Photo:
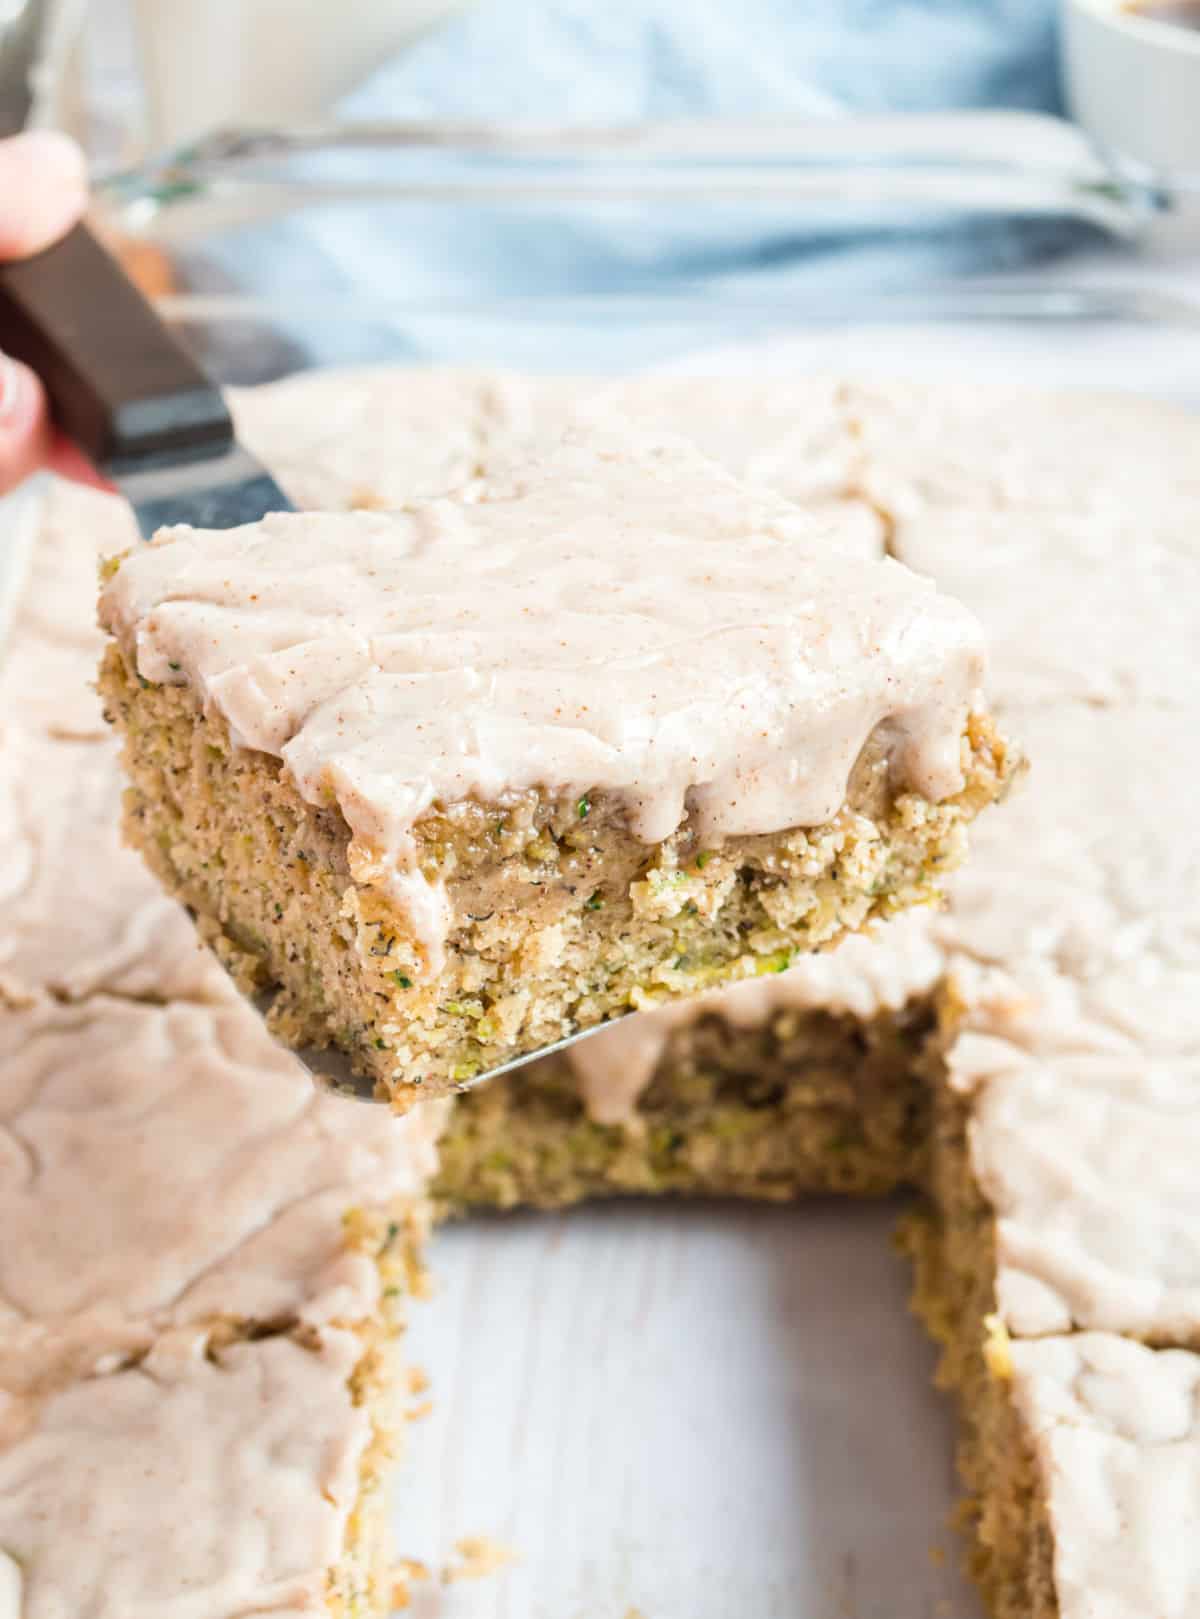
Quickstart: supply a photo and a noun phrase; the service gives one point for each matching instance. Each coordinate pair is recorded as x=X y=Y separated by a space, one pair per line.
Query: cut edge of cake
x=597 y=923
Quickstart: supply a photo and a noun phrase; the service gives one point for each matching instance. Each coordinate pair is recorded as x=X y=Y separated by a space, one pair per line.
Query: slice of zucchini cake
x=184 y=1172
x=227 y=1480
x=203 y=1285
x=468 y=778
x=1058 y=1263
x=1083 y=1456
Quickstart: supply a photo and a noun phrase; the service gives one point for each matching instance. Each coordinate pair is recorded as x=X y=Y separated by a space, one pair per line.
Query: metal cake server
x=332 y=1067
x=126 y=392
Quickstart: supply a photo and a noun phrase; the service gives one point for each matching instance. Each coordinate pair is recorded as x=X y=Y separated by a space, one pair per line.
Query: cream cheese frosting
x=1083 y=1137
x=367 y=437
x=933 y=445
x=259 y=1495
x=792 y=435
x=1094 y=863
x=360 y=437
x=78 y=911
x=166 y=1166
x=1064 y=594
x=48 y=666
x=576 y=631
x=1115 y=1428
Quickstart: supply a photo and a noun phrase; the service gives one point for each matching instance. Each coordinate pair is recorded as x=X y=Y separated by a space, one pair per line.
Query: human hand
x=43 y=193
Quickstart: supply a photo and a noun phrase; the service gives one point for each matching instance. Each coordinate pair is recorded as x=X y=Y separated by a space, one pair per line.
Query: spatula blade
x=222 y=491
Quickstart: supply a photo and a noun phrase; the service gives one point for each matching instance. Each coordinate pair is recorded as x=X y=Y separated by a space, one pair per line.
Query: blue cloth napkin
x=614 y=61
x=607 y=61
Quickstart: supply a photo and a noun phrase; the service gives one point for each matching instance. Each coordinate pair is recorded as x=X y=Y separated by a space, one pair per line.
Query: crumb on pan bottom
x=559 y=918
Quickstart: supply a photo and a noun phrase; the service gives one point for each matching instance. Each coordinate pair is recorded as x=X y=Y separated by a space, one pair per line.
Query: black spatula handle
x=119 y=383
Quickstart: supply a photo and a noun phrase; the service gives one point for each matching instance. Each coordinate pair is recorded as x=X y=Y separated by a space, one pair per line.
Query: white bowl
x=1133 y=83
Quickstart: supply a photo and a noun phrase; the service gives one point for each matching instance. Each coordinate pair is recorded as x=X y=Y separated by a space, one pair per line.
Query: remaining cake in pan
x=373 y=437
x=203 y=1276
x=202 y=1287
x=51 y=650
x=467 y=779
x=1085 y=1456
x=926 y=447
x=1027 y=1058
x=169 y=1186
x=231 y=1479
x=1061 y=1236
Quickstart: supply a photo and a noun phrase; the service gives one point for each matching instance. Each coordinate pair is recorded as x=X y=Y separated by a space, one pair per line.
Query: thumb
x=29 y=439
x=43 y=190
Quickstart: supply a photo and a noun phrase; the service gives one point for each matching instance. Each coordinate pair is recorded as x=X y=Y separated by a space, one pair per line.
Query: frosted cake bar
x=202 y=1287
x=470 y=777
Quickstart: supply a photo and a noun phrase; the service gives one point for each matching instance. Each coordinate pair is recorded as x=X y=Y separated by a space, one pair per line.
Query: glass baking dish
x=617 y=250
x=675 y=1413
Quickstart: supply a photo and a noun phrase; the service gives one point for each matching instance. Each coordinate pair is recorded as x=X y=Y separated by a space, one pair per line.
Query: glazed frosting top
x=79 y=912
x=1116 y=1429
x=1094 y=863
x=1063 y=596
x=926 y=446
x=368 y=437
x=257 y=1451
x=166 y=1166
x=1083 y=1134
x=641 y=624
x=48 y=660
x=360 y=438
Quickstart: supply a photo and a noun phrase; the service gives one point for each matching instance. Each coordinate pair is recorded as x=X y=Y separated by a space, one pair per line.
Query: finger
x=43 y=191
x=25 y=432
x=69 y=461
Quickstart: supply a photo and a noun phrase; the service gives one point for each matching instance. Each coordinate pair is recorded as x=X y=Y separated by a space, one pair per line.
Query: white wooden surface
x=682 y=1412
